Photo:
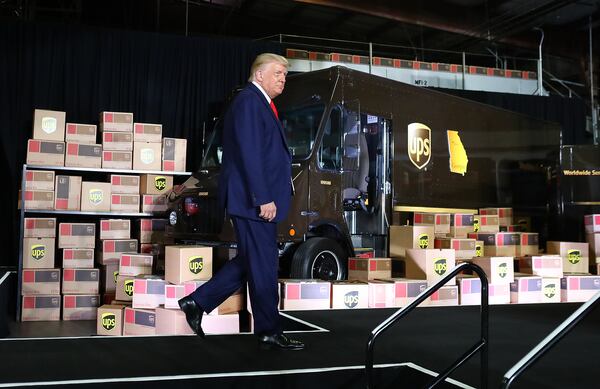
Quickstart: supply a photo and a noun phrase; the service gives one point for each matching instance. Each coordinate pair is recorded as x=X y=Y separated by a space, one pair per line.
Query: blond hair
x=266 y=58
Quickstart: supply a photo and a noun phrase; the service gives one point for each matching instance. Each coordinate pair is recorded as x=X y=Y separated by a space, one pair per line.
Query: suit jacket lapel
x=267 y=106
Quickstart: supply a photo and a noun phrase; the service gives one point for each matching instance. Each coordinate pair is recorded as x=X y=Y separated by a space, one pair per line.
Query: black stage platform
x=427 y=340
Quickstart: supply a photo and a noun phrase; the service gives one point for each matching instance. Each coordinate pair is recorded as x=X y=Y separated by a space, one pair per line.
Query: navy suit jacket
x=256 y=165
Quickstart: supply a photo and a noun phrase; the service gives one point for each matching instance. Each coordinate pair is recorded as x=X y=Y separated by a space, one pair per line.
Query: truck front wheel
x=319 y=258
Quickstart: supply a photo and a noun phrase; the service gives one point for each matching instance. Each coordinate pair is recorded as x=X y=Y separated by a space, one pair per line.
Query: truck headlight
x=173 y=218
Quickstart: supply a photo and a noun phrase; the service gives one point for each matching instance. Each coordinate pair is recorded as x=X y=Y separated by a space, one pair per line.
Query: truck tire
x=319 y=258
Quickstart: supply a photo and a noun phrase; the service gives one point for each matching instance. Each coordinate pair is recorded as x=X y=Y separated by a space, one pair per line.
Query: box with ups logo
x=461 y=224
x=505 y=215
x=81 y=133
x=115 y=229
x=124 y=290
x=80 y=307
x=155 y=184
x=123 y=184
x=116 y=121
x=133 y=264
x=39 y=180
x=95 y=196
x=479 y=249
x=430 y=264
x=139 y=322
x=410 y=237
x=78 y=258
x=39 y=227
x=81 y=281
x=174 y=154
x=83 y=155
x=111 y=249
x=45 y=153
x=469 y=288
x=109 y=320
x=464 y=248
x=550 y=290
x=146 y=156
x=40 y=281
x=49 y=125
x=305 y=294
x=575 y=255
x=499 y=270
x=38 y=253
x=187 y=263
x=526 y=289
x=116 y=160
x=542 y=265
x=529 y=244
x=117 y=141
x=364 y=269
x=40 y=308
x=486 y=223
x=147 y=132
x=39 y=199
x=148 y=292
x=154 y=203
x=67 y=195
x=499 y=244
x=77 y=235
x=108 y=280
x=125 y=203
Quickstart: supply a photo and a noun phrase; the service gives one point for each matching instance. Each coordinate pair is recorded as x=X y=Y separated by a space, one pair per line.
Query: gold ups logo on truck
x=419 y=144
x=458 y=154
x=196 y=264
x=160 y=183
x=38 y=251
x=109 y=320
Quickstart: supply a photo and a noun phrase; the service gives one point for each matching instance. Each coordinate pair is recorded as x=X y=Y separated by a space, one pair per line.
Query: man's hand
x=268 y=211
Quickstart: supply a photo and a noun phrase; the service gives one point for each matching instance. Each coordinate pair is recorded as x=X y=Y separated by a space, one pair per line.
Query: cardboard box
x=116 y=160
x=174 y=154
x=542 y=265
x=83 y=155
x=499 y=270
x=187 y=263
x=445 y=296
x=579 y=288
x=305 y=294
x=78 y=259
x=39 y=180
x=221 y=324
x=108 y=280
x=81 y=281
x=45 y=153
x=461 y=224
x=39 y=199
x=49 y=125
x=154 y=203
x=67 y=195
x=551 y=290
x=575 y=255
x=147 y=132
x=38 y=253
x=77 y=235
x=40 y=282
x=430 y=264
x=172 y=322
x=594 y=241
x=498 y=294
x=80 y=307
x=364 y=269
x=529 y=244
x=109 y=320
x=232 y=304
x=155 y=184
x=139 y=322
x=505 y=215
x=526 y=289
x=115 y=229
x=125 y=203
x=95 y=196
x=382 y=294
x=410 y=237
x=112 y=248
x=146 y=156
x=133 y=264
x=81 y=133
x=439 y=221
x=349 y=294
x=592 y=223
x=39 y=227
x=464 y=248
x=40 y=308
x=116 y=121
x=469 y=290
x=124 y=290
x=487 y=224
x=501 y=244
x=123 y=184
x=117 y=141
x=152 y=230
x=148 y=292
x=407 y=290
x=173 y=293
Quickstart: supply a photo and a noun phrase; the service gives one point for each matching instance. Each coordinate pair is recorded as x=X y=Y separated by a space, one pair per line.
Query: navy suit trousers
x=256 y=263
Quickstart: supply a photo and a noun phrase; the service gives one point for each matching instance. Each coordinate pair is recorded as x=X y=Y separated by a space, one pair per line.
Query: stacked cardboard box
x=47 y=147
x=500 y=274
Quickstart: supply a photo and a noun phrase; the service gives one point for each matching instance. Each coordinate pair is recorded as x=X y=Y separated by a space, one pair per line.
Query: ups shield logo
x=38 y=251
x=115 y=275
x=96 y=196
x=478 y=251
x=502 y=270
x=109 y=321
x=423 y=241
x=351 y=299
x=440 y=266
x=196 y=264
x=49 y=124
x=160 y=183
x=475 y=225
x=128 y=287
x=550 y=290
x=574 y=256
x=419 y=144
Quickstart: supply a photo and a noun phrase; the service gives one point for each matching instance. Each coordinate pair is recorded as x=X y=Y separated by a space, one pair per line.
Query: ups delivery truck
x=365 y=147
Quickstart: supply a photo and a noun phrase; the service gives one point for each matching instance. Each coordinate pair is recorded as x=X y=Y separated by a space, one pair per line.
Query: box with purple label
x=148 y=292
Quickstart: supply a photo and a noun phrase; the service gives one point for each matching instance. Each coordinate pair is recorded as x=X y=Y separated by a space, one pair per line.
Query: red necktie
x=274 y=109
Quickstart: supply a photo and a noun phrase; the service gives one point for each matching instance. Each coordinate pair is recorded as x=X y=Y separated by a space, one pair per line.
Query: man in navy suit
x=255 y=187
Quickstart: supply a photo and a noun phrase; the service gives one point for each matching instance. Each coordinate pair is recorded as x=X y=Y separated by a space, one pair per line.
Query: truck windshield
x=300 y=125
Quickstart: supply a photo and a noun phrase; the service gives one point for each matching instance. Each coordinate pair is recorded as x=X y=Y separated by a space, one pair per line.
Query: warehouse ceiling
x=490 y=32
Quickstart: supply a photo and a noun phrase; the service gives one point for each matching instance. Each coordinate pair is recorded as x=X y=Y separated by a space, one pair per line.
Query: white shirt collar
x=263 y=91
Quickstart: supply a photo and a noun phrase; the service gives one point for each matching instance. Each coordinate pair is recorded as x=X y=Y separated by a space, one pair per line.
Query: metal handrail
x=549 y=341
x=481 y=346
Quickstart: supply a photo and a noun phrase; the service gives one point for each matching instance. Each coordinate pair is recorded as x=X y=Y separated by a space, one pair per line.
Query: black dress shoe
x=193 y=314
x=281 y=341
